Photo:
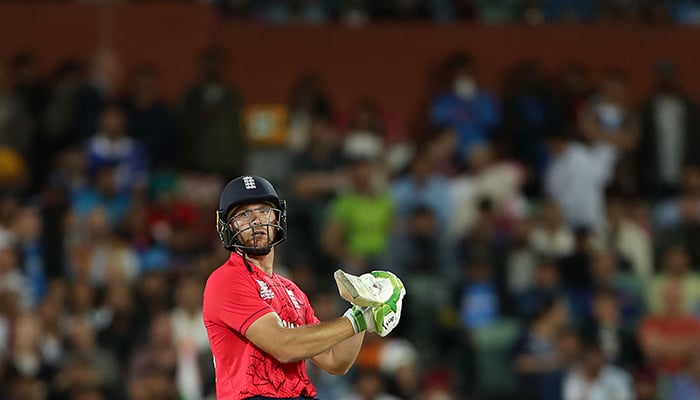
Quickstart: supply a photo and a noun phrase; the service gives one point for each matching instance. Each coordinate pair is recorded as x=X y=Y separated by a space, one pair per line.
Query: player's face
x=255 y=224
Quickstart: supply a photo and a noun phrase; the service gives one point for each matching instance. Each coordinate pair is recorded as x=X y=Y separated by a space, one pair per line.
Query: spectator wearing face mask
x=608 y=117
x=464 y=106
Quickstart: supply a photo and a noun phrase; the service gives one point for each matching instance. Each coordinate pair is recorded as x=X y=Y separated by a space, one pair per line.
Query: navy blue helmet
x=241 y=191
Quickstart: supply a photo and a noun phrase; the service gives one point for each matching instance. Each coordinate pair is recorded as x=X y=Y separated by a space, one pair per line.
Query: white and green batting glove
x=361 y=318
x=377 y=297
x=387 y=315
x=371 y=289
x=381 y=319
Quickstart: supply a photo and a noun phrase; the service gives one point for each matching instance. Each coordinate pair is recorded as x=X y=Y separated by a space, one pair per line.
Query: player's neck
x=265 y=263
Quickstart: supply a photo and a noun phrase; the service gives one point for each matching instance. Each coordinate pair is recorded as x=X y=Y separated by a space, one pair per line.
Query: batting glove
x=371 y=289
x=380 y=287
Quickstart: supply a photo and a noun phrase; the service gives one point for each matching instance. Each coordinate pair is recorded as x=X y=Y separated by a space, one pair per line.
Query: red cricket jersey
x=235 y=298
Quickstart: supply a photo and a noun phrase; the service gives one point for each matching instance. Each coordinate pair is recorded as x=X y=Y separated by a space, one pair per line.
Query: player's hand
x=371 y=289
x=380 y=319
x=385 y=316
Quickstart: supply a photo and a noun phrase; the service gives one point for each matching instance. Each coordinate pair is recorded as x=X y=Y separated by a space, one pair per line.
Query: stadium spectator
x=546 y=285
x=361 y=218
x=668 y=335
x=609 y=117
x=149 y=118
x=308 y=102
x=465 y=106
x=486 y=179
x=675 y=273
x=318 y=174
x=194 y=368
x=535 y=357
x=550 y=235
x=669 y=141
x=211 y=129
x=595 y=379
x=687 y=385
x=422 y=186
x=576 y=178
x=531 y=113
x=101 y=86
x=110 y=146
x=627 y=238
x=605 y=328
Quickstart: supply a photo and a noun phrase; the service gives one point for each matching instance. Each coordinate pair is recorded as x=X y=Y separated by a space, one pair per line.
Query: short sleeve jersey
x=234 y=298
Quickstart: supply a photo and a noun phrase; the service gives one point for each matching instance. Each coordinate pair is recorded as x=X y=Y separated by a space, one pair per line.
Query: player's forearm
x=340 y=358
x=307 y=341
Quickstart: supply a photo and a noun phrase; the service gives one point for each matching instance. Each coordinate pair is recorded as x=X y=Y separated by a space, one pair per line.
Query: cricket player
x=260 y=325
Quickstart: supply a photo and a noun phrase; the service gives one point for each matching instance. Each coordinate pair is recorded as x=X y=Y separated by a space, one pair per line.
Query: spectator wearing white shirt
x=190 y=338
x=593 y=379
x=608 y=116
x=11 y=277
x=551 y=236
x=576 y=179
x=629 y=239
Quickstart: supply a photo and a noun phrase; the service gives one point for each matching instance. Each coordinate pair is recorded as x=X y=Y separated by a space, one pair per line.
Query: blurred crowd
x=548 y=234
x=359 y=12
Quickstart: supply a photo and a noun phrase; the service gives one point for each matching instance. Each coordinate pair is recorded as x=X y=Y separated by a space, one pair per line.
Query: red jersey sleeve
x=232 y=299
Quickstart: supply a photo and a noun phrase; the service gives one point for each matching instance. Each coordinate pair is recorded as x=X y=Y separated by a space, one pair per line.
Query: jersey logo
x=293 y=299
x=287 y=324
x=249 y=182
x=265 y=292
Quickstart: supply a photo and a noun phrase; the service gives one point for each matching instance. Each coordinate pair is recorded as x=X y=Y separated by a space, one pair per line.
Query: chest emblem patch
x=265 y=292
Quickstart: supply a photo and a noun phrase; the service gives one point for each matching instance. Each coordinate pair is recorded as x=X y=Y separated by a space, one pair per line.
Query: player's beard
x=258 y=244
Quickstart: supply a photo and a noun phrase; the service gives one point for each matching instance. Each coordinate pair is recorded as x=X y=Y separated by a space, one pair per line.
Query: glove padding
x=380 y=320
x=382 y=294
x=371 y=289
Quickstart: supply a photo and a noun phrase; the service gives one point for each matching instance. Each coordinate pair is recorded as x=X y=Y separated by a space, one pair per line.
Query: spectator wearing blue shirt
x=422 y=186
x=479 y=303
x=464 y=106
x=112 y=146
x=103 y=193
x=536 y=359
x=686 y=386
